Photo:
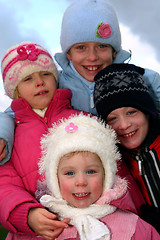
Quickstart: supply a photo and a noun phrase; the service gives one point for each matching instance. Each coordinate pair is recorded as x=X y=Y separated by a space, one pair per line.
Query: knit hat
x=78 y=133
x=22 y=60
x=122 y=85
x=90 y=21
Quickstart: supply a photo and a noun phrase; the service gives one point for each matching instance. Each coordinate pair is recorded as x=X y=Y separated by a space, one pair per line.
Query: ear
x=69 y=55
x=114 y=54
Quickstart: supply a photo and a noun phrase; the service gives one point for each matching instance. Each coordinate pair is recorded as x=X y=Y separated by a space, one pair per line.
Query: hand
x=2 y=149
x=44 y=224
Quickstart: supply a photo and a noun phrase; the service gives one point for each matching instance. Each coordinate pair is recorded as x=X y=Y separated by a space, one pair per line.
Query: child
x=30 y=78
x=80 y=162
x=123 y=101
x=90 y=41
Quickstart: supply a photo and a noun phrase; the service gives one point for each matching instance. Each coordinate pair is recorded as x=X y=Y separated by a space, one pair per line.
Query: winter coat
x=18 y=178
x=144 y=166
x=118 y=224
x=123 y=225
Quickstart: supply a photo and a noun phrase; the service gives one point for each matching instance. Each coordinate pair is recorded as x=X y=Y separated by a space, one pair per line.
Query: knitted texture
x=90 y=21
x=122 y=85
x=21 y=61
x=78 y=133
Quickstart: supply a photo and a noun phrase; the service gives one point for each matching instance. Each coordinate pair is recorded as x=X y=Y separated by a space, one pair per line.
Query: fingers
x=2 y=149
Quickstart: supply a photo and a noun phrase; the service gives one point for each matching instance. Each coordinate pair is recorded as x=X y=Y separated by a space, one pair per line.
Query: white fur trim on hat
x=89 y=134
x=90 y=21
x=21 y=61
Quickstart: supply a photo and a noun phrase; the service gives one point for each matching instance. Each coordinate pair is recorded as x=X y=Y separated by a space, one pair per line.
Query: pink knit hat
x=22 y=60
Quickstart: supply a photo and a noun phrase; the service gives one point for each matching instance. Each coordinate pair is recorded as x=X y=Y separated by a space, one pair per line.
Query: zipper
x=91 y=100
x=140 y=165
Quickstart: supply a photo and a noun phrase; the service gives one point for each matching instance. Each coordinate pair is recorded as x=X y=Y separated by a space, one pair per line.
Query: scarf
x=86 y=220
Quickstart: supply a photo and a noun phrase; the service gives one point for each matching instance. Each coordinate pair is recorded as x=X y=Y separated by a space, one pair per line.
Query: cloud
x=143 y=18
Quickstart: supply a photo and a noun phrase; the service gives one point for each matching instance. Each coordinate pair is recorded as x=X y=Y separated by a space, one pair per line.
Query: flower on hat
x=29 y=52
x=71 y=127
x=103 y=30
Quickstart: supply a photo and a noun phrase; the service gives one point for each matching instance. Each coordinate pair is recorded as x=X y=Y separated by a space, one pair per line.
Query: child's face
x=37 y=89
x=81 y=179
x=89 y=58
x=131 y=126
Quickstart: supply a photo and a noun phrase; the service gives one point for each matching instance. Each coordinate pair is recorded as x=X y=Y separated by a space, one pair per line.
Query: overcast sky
x=40 y=21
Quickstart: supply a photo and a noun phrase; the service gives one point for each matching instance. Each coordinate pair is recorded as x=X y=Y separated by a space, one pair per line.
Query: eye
x=27 y=79
x=46 y=73
x=103 y=46
x=132 y=112
x=81 y=47
x=91 y=171
x=69 y=173
x=110 y=119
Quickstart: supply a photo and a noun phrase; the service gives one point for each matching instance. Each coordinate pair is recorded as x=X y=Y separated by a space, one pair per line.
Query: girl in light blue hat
x=90 y=41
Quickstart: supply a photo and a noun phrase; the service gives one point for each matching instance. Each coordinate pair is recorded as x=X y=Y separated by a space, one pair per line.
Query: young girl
x=90 y=41
x=30 y=78
x=123 y=101
x=80 y=163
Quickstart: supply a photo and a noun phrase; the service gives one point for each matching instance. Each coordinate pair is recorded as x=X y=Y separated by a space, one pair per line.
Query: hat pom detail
x=71 y=128
x=29 y=52
x=103 y=30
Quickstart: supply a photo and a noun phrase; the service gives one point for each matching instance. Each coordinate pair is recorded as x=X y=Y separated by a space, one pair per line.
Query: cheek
x=98 y=182
x=65 y=188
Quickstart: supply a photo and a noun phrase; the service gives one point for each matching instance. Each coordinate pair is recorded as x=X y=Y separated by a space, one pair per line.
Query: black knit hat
x=122 y=85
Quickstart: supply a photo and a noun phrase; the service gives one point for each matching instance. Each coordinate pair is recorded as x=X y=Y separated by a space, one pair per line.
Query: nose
x=39 y=81
x=81 y=180
x=124 y=123
x=92 y=54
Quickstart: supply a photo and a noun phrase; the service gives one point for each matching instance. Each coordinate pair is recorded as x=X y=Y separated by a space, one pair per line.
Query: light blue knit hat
x=90 y=21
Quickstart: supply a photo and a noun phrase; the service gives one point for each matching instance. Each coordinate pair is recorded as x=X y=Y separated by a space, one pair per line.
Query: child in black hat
x=122 y=99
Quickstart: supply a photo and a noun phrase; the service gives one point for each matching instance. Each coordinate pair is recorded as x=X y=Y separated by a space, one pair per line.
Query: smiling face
x=37 y=89
x=89 y=58
x=131 y=126
x=80 y=177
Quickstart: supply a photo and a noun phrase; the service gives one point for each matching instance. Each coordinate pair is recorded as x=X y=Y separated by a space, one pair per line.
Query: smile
x=81 y=194
x=129 y=134
x=92 y=68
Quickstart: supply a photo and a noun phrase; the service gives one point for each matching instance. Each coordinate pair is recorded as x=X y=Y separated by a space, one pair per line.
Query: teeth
x=129 y=134
x=92 y=68
x=80 y=194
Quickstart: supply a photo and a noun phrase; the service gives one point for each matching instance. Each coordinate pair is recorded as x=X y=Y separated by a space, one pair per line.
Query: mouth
x=81 y=196
x=92 y=68
x=41 y=93
x=128 y=134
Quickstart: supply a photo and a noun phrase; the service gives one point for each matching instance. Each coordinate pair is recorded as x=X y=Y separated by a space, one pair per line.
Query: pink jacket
x=18 y=178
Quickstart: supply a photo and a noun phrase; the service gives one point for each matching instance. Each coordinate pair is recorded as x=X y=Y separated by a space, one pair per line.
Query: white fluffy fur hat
x=22 y=60
x=78 y=133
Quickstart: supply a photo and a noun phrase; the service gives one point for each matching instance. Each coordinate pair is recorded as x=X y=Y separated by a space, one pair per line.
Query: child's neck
x=40 y=112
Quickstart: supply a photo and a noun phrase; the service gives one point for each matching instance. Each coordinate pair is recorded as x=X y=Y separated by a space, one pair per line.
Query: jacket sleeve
x=145 y=231
x=7 y=131
x=152 y=79
x=15 y=201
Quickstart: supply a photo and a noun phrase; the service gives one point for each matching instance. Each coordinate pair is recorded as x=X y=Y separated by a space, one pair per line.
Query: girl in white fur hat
x=90 y=40
x=80 y=162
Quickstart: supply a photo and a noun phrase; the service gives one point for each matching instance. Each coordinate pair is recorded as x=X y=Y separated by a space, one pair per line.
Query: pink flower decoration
x=29 y=52
x=103 y=30
x=71 y=127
